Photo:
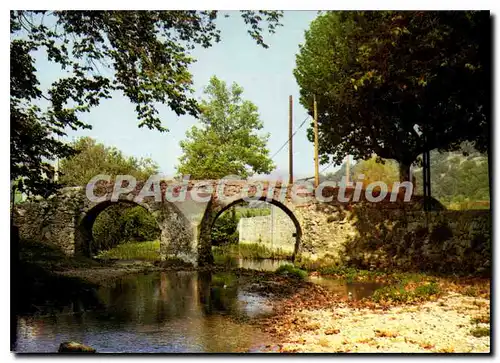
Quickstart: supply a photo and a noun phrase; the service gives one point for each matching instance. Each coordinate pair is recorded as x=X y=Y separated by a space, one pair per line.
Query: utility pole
x=316 y=142
x=290 y=140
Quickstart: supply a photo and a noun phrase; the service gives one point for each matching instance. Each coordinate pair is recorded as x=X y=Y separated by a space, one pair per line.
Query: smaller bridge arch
x=215 y=211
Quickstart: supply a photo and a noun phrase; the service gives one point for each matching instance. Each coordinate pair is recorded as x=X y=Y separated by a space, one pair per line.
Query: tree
x=385 y=171
x=459 y=180
x=143 y=54
x=119 y=222
x=92 y=158
x=226 y=143
x=396 y=84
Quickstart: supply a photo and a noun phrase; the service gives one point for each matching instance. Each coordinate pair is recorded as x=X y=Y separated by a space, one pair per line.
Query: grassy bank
x=145 y=251
x=402 y=286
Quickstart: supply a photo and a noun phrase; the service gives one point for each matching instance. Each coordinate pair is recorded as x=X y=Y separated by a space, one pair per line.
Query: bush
x=122 y=223
x=401 y=294
x=291 y=270
x=480 y=332
x=225 y=230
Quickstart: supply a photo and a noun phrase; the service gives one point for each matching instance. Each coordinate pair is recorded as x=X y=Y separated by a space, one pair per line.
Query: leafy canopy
x=396 y=83
x=226 y=143
x=145 y=55
x=93 y=158
x=374 y=171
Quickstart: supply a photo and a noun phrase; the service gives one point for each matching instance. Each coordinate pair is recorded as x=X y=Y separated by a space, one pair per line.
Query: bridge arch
x=83 y=228
x=214 y=212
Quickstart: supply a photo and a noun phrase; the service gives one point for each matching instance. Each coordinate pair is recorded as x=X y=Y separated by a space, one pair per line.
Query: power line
x=287 y=141
x=322 y=170
x=326 y=167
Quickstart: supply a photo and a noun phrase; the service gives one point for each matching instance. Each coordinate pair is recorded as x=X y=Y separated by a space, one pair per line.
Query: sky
x=266 y=76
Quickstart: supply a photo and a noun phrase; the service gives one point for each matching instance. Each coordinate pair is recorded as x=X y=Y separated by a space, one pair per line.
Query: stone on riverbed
x=75 y=347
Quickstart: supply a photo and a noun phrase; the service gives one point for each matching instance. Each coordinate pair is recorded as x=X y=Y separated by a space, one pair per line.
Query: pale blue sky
x=265 y=74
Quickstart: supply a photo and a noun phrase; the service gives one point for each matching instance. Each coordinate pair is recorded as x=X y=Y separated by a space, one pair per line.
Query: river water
x=164 y=312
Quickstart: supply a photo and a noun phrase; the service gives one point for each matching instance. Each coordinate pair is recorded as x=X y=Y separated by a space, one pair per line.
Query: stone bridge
x=328 y=220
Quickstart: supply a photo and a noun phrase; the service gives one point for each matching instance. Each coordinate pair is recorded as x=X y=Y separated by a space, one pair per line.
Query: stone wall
x=369 y=237
x=274 y=231
x=50 y=221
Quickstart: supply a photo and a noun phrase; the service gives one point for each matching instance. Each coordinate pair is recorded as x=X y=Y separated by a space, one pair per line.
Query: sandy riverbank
x=317 y=321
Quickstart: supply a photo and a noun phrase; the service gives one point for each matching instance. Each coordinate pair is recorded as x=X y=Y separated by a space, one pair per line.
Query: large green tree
x=94 y=158
x=397 y=83
x=119 y=222
x=145 y=55
x=227 y=142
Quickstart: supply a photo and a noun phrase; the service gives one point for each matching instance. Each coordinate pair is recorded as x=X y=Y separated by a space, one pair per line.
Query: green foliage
x=379 y=75
x=122 y=223
x=459 y=181
x=376 y=169
x=100 y=52
x=149 y=251
x=373 y=169
x=401 y=294
x=139 y=225
x=392 y=293
x=428 y=289
x=242 y=212
x=93 y=158
x=224 y=231
x=226 y=143
x=292 y=271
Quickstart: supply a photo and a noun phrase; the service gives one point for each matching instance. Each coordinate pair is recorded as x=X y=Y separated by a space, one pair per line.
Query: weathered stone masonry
x=363 y=233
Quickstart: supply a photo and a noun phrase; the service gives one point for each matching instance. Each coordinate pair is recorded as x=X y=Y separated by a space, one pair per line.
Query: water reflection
x=355 y=290
x=157 y=312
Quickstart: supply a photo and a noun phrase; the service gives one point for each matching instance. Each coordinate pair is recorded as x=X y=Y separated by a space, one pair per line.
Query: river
x=165 y=312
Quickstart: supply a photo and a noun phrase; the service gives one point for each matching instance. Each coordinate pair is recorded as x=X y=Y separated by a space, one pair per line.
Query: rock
x=332 y=331
x=75 y=347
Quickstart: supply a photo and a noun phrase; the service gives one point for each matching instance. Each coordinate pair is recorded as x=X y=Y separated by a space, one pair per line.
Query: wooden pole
x=290 y=140
x=316 y=142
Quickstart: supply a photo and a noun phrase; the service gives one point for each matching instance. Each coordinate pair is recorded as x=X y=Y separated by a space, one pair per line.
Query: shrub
x=392 y=293
x=479 y=332
x=225 y=230
x=122 y=223
x=400 y=294
x=425 y=290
